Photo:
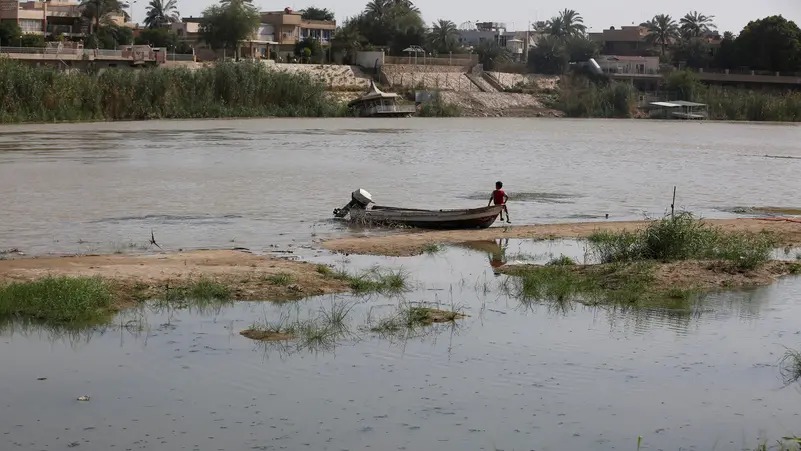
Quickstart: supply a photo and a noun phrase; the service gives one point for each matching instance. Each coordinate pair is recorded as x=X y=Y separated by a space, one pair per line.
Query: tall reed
x=579 y=97
x=225 y=90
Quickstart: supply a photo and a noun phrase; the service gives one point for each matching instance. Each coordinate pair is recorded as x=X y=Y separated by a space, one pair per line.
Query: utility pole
x=528 y=40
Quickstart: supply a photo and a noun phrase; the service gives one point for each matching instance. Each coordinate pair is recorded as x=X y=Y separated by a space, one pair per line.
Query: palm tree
x=444 y=36
x=568 y=23
x=384 y=9
x=348 y=38
x=161 y=13
x=663 y=30
x=94 y=10
x=695 y=24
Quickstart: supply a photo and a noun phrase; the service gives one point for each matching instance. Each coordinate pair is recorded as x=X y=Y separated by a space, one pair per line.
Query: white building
x=483 y=32
x=634 y=65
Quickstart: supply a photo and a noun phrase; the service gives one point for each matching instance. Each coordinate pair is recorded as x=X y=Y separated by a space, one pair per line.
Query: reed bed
x=231 y=89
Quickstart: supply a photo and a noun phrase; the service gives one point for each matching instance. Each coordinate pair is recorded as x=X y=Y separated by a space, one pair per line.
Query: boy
x=500 y=198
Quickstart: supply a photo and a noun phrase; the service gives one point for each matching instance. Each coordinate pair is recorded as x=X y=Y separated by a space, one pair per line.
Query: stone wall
x=335 y=77
x=510 y=80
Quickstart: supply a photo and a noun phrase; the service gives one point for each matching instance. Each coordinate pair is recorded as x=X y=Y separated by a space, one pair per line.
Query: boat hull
x=477 y=218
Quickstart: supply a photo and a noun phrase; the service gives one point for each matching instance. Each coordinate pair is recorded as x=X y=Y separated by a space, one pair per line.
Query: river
x=255 y=183
x=512 y=375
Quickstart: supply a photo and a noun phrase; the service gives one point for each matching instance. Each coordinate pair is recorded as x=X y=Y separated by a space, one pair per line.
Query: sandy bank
x=248 y=275
x=413 y=243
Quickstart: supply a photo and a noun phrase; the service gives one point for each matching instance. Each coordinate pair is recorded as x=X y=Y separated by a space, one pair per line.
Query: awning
x=666 y=104
x=686 y=103
x=677 y=104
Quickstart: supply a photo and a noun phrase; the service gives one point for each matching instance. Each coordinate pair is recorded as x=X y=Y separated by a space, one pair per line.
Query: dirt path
x=413 y=243
x=250 y=276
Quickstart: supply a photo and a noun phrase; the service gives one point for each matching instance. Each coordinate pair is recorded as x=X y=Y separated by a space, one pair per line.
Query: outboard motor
x=359 y=198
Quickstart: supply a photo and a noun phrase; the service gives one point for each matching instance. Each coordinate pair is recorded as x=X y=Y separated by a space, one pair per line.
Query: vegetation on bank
x=661 y=265
x=243 y=89
x=58 y=300
x=375 y=280
x=438 y=107
x=81 y=301
x=683 y=237
x=736 y=104
x=579 y=96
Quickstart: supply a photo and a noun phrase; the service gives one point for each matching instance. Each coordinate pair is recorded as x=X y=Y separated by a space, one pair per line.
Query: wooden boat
x=362 y=209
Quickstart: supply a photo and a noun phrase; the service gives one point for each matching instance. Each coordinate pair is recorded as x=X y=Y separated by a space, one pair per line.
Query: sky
x=598 y=15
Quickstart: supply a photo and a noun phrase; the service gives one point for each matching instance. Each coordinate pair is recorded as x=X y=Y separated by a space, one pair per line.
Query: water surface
x=253 y=183
x=512 y=375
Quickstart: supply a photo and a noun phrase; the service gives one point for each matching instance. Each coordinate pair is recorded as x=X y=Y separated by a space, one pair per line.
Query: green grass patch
x=683 y=237
x=562 y=260
x=325 y=270
x=203 y=290
x=375 y=280
x=281 y=279
x=610 y=283
x=58 y=300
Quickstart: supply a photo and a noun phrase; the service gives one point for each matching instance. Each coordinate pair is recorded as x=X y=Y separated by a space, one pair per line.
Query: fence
x=130 y=53
x=424 y=60
x=437 y=81
x=510 y=68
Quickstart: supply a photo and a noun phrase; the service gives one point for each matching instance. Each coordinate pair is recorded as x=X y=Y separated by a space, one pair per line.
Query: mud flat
x=413 y=243
x=137 y=277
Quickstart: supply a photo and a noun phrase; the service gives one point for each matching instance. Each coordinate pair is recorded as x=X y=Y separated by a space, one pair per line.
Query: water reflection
x=495 y=250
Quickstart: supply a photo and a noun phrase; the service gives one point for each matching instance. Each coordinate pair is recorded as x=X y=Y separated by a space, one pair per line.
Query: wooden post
x=673 y=203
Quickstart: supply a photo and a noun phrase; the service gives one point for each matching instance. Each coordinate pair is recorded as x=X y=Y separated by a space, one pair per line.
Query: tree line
x=769 y=44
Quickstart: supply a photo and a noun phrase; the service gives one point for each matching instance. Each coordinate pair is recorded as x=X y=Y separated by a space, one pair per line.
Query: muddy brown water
x=512 y=375
x=252 y=183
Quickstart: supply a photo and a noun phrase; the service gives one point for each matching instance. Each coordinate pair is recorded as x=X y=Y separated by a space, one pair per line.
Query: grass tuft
x=323 y=329
x=325 y=270
x=790 y=366
x=433 y=248
x=203 y=289
x=281 y=279
x=376 y=280
x=562 y=260
x=413 y=317
x=58 y=300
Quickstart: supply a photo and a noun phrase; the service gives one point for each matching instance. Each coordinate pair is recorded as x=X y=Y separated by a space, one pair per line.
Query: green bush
x=683 y=237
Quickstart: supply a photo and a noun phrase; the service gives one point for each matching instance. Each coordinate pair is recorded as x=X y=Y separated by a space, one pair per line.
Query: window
x=30 y=25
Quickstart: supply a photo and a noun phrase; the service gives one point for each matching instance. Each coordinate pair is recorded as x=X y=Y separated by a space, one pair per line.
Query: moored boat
x=362 y=209
x=376 y=103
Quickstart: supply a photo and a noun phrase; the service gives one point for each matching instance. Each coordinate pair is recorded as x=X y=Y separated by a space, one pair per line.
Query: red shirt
x=498 y=197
